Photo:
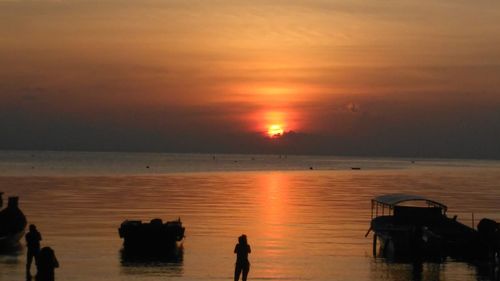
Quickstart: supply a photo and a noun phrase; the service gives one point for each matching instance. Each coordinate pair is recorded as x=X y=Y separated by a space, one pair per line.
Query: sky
x=370 y=78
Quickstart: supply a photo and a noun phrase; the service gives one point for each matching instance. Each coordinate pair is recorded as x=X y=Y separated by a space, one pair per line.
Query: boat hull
x=12 y=225
x=151 y=238
x=11 y=241
x=405 y=239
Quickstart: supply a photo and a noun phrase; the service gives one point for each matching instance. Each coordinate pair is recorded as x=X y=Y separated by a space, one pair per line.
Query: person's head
x=46 y=253
x=242 y=239
x=32 y=227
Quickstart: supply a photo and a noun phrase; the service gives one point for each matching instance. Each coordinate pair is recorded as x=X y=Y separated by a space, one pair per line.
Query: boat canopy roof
x=394 y=199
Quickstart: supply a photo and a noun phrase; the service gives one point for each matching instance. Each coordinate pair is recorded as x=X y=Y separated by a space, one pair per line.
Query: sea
x=305 y=216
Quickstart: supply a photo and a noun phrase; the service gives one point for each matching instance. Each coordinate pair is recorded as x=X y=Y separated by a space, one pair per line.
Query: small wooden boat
x=154 y=237
x=412 y=225
x=12 y=224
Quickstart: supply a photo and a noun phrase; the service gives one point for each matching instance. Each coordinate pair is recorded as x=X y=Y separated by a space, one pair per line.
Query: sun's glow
x=275 y=130
x=277 y=92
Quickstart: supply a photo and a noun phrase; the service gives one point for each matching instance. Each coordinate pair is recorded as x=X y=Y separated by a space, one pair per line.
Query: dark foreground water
x=302 y=224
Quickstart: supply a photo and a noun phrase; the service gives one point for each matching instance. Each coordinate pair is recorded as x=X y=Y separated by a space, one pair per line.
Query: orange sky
x=309 y=66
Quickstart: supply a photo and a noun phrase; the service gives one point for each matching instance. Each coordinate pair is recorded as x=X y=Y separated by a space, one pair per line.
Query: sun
x=275 y=130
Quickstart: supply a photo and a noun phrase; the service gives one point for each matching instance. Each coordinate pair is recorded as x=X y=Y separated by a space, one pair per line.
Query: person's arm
x=249 y=249
x=236 y=249
x=55 y=263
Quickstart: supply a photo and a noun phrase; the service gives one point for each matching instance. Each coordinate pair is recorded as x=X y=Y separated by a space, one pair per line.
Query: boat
x=414 y=226
x=151 y=238
x=12 y=224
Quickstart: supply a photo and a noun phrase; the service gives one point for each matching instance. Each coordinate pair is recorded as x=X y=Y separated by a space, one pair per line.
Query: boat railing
x=385 y=204
x=383 y=209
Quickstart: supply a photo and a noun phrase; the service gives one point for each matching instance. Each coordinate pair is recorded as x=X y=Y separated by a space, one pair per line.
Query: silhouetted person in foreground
x=46 y=263
x=33 y=238
x=242 y=250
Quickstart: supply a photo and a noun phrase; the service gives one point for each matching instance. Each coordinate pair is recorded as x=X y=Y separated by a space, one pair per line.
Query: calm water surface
x=302 y=224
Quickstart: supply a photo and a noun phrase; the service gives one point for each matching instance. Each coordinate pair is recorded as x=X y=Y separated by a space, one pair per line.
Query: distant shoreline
x=76 y=163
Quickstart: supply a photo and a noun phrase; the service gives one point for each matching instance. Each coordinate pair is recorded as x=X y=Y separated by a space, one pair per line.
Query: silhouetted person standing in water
x=33 y=238
x=46 y=263
x=242 y=250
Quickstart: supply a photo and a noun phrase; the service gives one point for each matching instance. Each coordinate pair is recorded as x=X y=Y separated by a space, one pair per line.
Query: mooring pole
x=473 y=224
x=372 y=208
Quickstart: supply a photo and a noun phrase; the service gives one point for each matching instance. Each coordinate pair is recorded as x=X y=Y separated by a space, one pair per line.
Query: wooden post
x=374 y=245
x=473 y=224
x=372 y=209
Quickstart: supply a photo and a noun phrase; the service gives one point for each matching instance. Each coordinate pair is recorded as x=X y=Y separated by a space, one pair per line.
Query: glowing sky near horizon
x=339 y=68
